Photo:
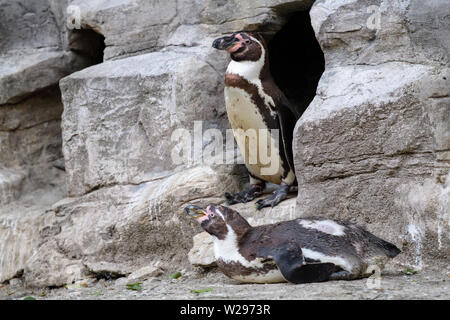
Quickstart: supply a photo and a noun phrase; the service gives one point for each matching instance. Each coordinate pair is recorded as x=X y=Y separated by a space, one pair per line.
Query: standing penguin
x=255 y=105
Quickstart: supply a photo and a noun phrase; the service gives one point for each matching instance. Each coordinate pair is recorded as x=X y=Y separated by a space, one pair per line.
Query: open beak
x=224 y=43
x=195 y=211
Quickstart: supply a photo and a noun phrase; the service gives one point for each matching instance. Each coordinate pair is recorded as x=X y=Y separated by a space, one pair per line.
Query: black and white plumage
x=303 y=250
x=253 y=101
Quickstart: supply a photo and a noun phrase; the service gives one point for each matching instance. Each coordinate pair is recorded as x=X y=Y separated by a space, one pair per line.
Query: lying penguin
x=299 y=251
x=254 y=103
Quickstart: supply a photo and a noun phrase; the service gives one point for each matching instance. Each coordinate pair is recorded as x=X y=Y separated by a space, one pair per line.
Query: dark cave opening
x=88 y=44
x=296 y=60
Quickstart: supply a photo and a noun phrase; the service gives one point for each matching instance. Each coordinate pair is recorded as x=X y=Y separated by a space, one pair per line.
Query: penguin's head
x=217 y=220
x=242 y=45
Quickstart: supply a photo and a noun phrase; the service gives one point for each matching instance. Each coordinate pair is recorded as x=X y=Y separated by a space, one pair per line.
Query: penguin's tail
x=384 y=247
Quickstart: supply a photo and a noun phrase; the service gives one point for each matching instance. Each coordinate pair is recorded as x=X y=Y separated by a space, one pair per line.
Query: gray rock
x=30 y=130
x=118 y=230
x=34 y=48
x=373 y=146
x=21 y=223
x=15 y=282
x=145 y=273
x=202 y=252
x=50 y=267
x=28 y=71
x=11 y=184
x=364 y=32
x=28 y=24
x=157 y=24
x=119 y=117
x=30 y=143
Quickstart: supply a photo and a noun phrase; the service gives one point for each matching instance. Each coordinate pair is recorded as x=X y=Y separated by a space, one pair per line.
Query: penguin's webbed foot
x=248 y=194
x=275 y=198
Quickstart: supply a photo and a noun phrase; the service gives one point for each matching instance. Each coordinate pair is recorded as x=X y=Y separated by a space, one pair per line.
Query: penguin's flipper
x=289 y=259
x=287 y=121
x=314 y=272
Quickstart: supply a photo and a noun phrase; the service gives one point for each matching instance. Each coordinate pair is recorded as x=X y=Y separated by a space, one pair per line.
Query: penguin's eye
x=212 y=215
x=247 y=41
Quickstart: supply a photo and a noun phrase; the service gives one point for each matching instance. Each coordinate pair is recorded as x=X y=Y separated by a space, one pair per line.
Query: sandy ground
x=394 y=284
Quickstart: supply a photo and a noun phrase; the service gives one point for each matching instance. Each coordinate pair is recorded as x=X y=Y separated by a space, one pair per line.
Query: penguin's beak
x=224 y=43
x=195 y=211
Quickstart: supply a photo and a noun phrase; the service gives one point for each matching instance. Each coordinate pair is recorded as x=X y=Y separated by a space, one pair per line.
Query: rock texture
x=11 y=184
x=172 y=23
x=202 y=252
x=30 y=137
x=34 y=45
x=21 y=225
x=117 y=230
x=432 y=285
x=34 y=55
x=119 y=117
x=374 y=145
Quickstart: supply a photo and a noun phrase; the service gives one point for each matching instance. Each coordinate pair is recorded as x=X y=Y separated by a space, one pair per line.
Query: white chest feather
x=227 y=251
x=242 y=112
x=257 y=144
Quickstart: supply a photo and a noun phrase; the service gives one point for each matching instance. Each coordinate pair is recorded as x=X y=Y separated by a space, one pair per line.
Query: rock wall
x=119 y=117
x=34 y=55
x=373 y=146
